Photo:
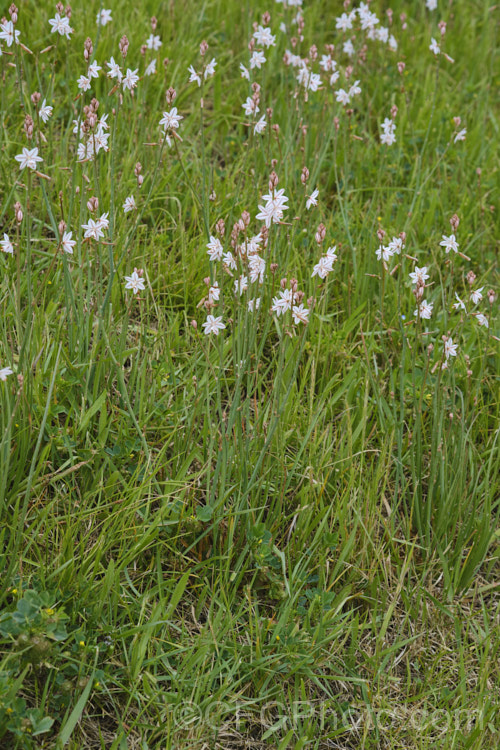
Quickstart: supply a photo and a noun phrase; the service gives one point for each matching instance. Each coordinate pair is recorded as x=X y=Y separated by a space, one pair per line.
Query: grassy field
x=249 y=456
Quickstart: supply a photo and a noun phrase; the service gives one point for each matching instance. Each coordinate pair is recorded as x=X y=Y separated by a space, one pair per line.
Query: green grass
x=285 y=536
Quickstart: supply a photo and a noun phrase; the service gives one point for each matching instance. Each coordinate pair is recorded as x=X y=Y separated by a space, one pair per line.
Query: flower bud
x=320 y=234
x=62 y=227
x=123 y=45
x=273 y=181
x=35 y=97
x=28 y=127
x=170 y=95
x=401 y=67
x=154 y=23
x=194 y=324
x=93 y=204
x=13 y=13
x=454 y=221
x=442 y=27
x=203 y=48
x=220 y=227
x=87 y=49
x=18 y=212
x=304 y=175
x=471 y=277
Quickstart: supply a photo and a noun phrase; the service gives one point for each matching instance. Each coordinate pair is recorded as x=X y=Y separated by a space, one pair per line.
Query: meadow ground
x=249 y=375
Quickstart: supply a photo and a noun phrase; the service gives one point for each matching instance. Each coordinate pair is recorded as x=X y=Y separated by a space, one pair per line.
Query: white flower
x=253 y=304
x=342 y=97
x=213 y=325
x=250 y=106
x=257 y=59
x=210 y=69
x=28 y=158
x=450 y=349
x=153 y=42
x=393 y=43
x=260 y=125
x=272 y=212
x=424 y=310
x=114 y=69
x=460 y=136
x=214 y=292
x=171 y=120
x=104 y=17
x=228 y=260
x=344 y=22
x=334 y=77
x=93 y=230
x=83 y=83
x=6 y=245
x=134 y=282
x=129 y=80
x=99 y=141
x=354 y=90
x=5 y=372
x=323 y=267
x=103 y=122
x=244 y=72
x=388 y=138
x=103 y=221
x=93 y=70
x=241 y=285
x=82 y=152
x=434 y=46
x=263 y=37
x=388 y=127
x=449 y=243
x=151 y=68
x=300 y=314
x=67 y=243
x=313 y=199
x=61 y=25
x=8 y=34
x=396 y=245
x=431 y=4
x=327 y=63
x=194 y=77
x=215 y=249
x=459 y=305
x=45 y=111
x=382 y=34
x=282 y=303
x=368 y=19
x=348 y=48
x=331 y=254
x=257 y=266
x=419 y=275
x=476 y=295
x=252 y=244
x=383 y=253
x=482 y=319
x=129 y=204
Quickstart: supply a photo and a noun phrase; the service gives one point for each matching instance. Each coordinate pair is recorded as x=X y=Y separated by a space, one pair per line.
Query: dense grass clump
x=249 y=375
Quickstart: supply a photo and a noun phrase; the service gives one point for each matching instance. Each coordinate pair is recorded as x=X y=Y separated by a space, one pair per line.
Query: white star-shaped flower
x=28 y=158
